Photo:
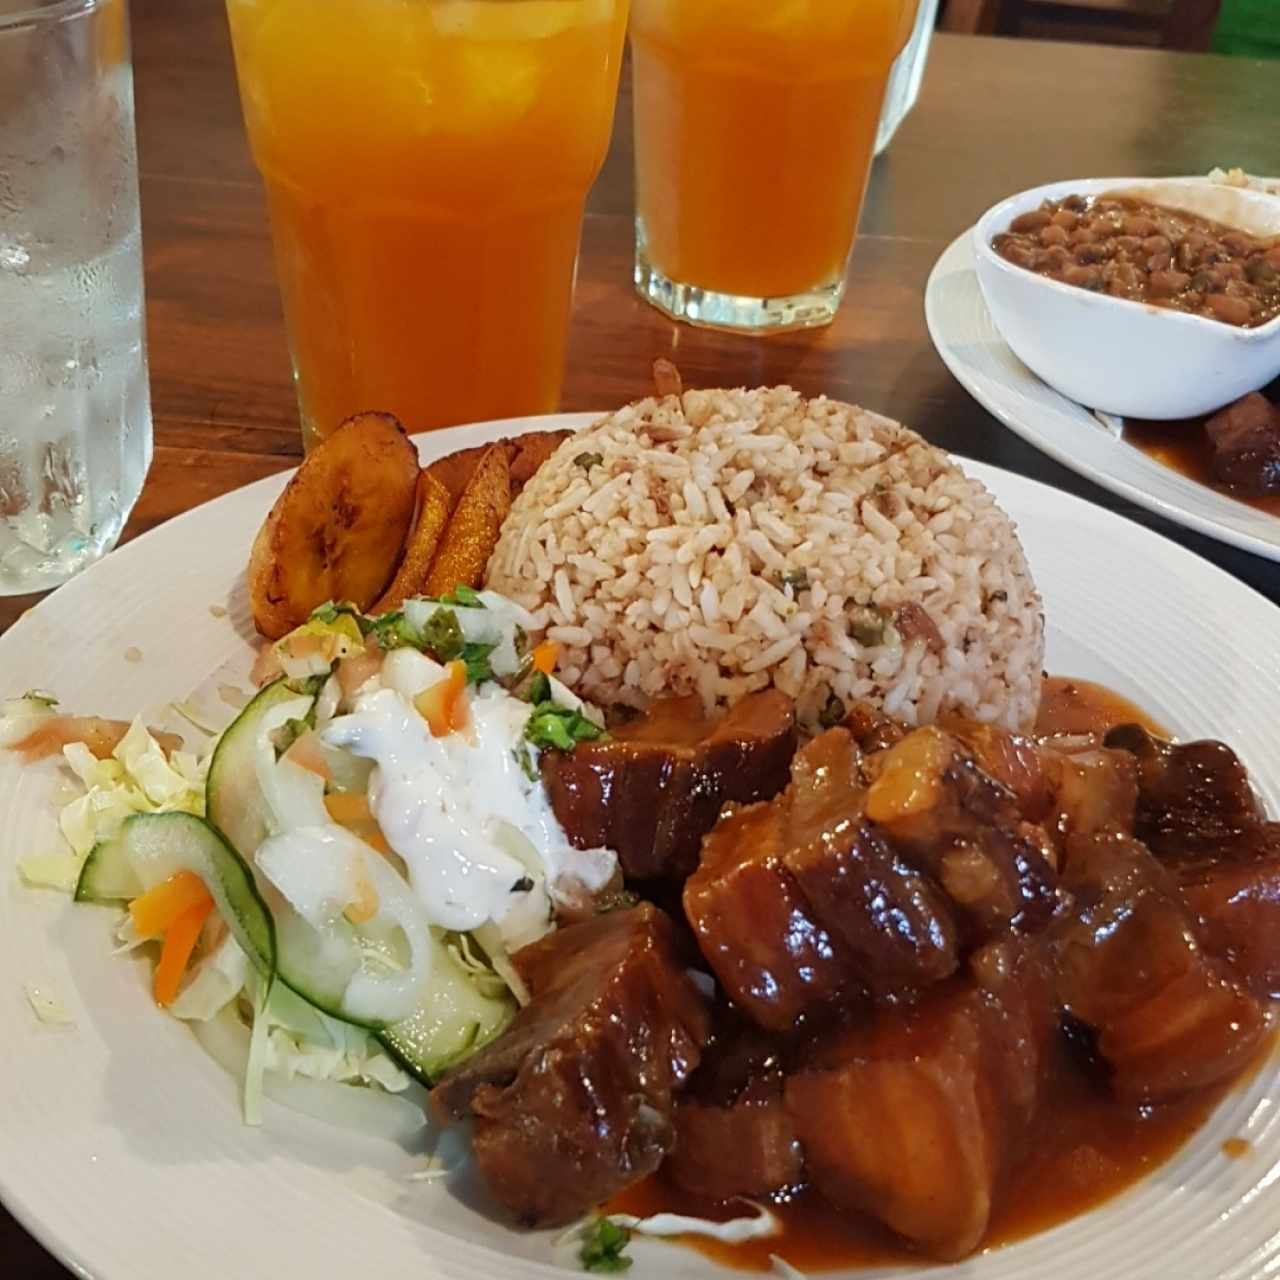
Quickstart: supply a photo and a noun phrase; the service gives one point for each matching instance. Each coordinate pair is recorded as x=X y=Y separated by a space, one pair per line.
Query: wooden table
x=991 y=121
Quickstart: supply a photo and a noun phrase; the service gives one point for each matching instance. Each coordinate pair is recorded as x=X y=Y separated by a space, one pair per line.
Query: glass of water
x=75 y=415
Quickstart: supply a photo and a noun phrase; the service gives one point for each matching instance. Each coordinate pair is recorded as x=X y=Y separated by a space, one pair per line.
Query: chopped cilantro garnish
x=476 y=657
x=558 y=727
x=392 y=631
x=796 y=579
x=603 y=1243
x=442 y=635
x=332 y=610
x=465 y=596
x=588 y=460
x=539 y=689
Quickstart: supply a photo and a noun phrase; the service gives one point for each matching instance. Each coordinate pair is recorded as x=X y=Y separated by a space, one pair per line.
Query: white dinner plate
x=970 y=346
x=121 y=1146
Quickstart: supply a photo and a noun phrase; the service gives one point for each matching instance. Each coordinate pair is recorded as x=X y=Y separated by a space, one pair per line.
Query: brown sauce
x=1075 y=706
x=1184 y=447
x=1089 y=1148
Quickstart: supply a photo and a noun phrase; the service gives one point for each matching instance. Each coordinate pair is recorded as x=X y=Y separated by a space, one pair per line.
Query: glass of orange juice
x=426 y=165
x=755 y=122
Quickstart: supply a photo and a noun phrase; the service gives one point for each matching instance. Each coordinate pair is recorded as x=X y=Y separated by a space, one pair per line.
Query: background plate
x=970 y=346
x=122 y=1146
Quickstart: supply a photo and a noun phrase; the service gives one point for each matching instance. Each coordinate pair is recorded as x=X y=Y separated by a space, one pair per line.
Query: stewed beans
x=1147 y=253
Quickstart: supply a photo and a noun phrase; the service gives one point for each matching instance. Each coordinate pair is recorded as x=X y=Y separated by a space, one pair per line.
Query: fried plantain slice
x=424 y=540
x=473 y=528
x=336 y=531
x=529 y=452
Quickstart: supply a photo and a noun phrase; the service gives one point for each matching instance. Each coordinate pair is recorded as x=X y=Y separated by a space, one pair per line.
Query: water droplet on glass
x=13 y=257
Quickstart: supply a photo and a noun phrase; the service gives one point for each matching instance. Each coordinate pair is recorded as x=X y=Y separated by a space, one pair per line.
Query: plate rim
x=958 y=257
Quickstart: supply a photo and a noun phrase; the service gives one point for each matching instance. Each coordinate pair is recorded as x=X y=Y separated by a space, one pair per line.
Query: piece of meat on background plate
x=1246 y=444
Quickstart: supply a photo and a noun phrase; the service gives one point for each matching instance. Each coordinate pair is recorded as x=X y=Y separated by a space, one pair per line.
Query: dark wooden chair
x=1181 y=24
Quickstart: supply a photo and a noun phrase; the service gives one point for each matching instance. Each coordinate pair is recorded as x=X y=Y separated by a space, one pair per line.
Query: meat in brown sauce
x=871 y=729
x=754 y=925
x=1194 y=798
x=1245 y=437
x=657 y=785
x=916 y=1117
x=835 y=888
x=897 y=926
x=963 y=827
x=1129 y=965
x=733 y=1134
x=574 y=1101
x=1076 y=792
x=898 y=933
x=1236 y=903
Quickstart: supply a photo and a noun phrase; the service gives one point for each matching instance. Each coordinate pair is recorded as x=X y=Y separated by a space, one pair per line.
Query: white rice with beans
x=722 y=541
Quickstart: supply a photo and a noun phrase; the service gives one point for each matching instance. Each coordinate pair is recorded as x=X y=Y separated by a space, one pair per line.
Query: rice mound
x=722 y=541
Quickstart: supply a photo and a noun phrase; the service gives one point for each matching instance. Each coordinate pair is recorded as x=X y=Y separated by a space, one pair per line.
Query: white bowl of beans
x=1140 y=297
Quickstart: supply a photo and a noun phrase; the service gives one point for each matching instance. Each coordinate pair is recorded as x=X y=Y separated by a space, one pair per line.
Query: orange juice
x=426 y=164
x=755 y=124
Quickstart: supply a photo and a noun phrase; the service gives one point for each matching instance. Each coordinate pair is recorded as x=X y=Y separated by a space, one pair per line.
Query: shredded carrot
x=348 y=806
x=102 y=737
x=364 y=905
x=180 y=940
x=306 y=753
x=545 y=655
x=444 y=705
x=157 y=909
x=350 y=809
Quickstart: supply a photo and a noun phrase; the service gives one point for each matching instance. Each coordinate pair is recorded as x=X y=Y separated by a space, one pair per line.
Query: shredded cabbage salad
x=388 y=811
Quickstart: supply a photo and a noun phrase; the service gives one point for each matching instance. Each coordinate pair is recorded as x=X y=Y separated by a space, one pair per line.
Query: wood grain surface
x=995 y=116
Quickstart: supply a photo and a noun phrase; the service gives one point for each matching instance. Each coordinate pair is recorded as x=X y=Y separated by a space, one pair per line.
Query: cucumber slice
x=322 y=966
x=149 y=848
x=453 y=1017
x=235 y=803
x=453 y=1020
x=317 y=966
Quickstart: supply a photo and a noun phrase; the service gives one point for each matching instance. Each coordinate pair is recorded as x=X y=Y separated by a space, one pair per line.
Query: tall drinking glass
x=75 y=415
x=907 y=74
x=755 y=122
x=426 y=164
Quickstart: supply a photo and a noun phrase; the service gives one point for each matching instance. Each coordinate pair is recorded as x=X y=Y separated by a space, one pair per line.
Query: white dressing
x=452 y=807
x=735 y=1231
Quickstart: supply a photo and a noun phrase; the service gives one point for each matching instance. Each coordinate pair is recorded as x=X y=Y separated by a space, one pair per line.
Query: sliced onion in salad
x=399 y=1117
x=378 y=967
